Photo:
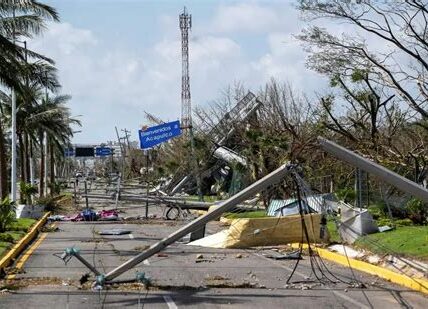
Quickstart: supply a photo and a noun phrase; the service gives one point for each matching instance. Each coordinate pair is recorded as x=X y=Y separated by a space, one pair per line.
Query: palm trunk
x=21 y=165
x=32 y=172
x=3 y=169
x=27 y=157
x=42 y=167
x=52 y=168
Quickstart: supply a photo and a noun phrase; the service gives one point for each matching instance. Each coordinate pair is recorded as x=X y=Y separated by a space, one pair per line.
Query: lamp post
x=13 y=187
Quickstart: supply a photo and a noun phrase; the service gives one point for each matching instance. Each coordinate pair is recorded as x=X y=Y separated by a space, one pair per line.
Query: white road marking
x=170 y=303
x=131 y=236
x=146 y=262
x=351 y=300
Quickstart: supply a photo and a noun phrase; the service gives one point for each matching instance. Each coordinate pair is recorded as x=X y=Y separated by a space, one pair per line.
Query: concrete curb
x=22 y=243
x=420 y=285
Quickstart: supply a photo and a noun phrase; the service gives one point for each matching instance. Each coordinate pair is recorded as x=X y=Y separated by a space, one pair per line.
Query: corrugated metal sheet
x=315 y=202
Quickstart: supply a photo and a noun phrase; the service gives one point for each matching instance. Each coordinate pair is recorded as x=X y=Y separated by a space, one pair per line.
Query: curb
x=420 y=285
x=22 y=243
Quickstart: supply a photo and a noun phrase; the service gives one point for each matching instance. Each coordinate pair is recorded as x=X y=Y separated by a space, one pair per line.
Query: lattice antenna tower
x=186 y=103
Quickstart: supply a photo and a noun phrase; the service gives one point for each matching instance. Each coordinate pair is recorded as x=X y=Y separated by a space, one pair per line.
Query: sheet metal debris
x=115 y=232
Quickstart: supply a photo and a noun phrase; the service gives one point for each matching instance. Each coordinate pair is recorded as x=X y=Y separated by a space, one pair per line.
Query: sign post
x=152 y=136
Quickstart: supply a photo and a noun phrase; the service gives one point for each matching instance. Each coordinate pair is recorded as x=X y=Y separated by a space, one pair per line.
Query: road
x=182 y=278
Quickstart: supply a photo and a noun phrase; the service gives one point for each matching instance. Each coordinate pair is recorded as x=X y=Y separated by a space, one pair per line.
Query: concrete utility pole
x=369 y=166
x=270 y=179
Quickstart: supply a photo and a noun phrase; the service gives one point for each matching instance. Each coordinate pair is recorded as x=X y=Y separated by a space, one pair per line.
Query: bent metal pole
x=383 y=173
x=228 y=204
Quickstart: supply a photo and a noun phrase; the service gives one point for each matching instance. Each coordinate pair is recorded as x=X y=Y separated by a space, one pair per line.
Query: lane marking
x=27 y=254
x=351 y=300
x=131 y=236
x=169 y=302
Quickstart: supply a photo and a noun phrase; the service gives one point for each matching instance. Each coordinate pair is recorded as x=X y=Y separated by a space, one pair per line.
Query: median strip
x=22 y=243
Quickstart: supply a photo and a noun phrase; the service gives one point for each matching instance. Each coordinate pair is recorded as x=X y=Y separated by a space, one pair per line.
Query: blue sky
x=119 y=58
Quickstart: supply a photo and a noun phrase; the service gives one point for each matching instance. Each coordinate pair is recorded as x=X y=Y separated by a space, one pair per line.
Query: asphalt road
x=221 y=278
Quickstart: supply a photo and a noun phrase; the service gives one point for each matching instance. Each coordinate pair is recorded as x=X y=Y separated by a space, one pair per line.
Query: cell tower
x=186 y=103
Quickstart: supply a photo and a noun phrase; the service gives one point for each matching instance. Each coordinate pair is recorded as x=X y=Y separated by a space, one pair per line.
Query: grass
x=408 y=241
x=207 y=198
x=22 y=224
x=332 y=229
x=247 y=214
x=15 y=231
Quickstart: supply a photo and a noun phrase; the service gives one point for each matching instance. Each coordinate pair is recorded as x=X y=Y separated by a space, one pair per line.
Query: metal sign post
x=147 y=183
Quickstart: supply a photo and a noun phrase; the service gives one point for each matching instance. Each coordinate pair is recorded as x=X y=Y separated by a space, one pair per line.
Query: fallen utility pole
x=383 y=173
x=228 y=204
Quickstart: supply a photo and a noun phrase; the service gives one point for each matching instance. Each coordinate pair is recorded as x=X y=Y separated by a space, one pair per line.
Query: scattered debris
x=295 y=255
x=385 y=228
x=56 y=218
x=162 y=254
x=199 y=256
x=239 y=256
x=115 y=232
x=88 y=215
x=50 y=228
x=141 y=248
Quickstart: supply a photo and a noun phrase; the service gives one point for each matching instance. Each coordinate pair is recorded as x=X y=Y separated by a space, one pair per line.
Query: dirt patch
x=141 y=248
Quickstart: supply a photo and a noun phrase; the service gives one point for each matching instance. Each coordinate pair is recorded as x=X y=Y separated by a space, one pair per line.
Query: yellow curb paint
x=19 y=247
x=21 y=262
x=420 y=285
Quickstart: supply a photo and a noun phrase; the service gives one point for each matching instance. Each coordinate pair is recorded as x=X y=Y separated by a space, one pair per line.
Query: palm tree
x=18 y=19
x=53 y=117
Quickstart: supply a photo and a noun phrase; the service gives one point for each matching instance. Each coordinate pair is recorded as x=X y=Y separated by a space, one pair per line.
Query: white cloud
x=114 y=86
x=253 y=17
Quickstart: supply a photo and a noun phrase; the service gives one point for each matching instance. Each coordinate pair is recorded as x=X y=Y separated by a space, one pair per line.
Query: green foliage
x=417 y=211
x=27 y=191
x=377 y=210
x=6 y=237
x=346 y=194
x=7 y=214
x=358 y=75
x=384 y=221
x=56 y=187
x=403 y=222
x=246 y=214
x=48 y=201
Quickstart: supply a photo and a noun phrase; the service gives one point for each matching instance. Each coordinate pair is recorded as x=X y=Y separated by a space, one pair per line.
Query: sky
x=119 y=58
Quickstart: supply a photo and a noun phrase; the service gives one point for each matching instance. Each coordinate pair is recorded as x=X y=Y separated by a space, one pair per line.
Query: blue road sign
x=69 y=152
x=158 y=134
x=103 y=151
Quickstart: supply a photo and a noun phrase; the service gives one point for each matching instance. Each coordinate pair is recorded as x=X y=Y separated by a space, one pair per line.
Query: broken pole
x=270 y=179
x=86 y=194
x=369 y=166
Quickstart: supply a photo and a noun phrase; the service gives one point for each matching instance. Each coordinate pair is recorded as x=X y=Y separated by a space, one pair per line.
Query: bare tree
x=389 y=38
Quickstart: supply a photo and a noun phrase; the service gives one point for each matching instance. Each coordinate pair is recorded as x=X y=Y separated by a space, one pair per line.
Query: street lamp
x=13 y=187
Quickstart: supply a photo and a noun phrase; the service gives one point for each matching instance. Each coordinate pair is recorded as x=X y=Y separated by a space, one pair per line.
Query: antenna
x=186 y=103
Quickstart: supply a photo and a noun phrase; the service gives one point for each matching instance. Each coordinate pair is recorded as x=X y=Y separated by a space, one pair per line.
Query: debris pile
x=88 y=215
